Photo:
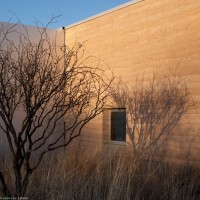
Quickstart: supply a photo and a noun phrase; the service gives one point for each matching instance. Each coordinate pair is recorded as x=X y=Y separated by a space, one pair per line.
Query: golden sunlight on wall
x=145 y=38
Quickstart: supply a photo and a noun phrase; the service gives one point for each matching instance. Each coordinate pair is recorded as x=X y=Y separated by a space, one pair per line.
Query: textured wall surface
x=146 y=38
x=139 y=40
x=34 y=36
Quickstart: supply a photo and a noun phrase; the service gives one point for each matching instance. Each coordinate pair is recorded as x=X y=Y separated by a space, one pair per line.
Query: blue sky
x=70 y=11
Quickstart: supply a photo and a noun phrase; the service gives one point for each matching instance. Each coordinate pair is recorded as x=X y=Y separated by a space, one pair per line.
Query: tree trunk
x=18 y=183
x=6 y=191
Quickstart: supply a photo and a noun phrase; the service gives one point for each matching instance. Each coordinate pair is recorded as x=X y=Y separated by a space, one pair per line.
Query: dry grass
x=70 y=175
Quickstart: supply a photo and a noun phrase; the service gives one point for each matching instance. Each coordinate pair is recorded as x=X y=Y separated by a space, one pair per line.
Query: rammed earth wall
x=143 y=38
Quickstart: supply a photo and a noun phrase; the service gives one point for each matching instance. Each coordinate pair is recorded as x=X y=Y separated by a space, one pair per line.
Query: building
x=142 y=38
x=145 y=37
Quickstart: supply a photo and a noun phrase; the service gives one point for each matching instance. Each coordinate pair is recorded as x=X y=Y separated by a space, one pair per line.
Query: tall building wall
x=145 y=38
x=14 y=35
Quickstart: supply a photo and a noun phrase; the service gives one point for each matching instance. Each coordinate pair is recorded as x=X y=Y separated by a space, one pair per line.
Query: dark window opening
x=118 y=126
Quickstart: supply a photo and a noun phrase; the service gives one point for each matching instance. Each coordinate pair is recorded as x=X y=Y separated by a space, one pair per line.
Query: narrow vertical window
x=118 y=126
x=114 y=125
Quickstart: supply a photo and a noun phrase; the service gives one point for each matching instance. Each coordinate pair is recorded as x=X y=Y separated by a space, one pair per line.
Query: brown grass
x=71 y=175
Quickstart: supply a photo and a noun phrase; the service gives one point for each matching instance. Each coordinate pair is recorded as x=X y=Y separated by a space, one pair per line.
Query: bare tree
x=154 y=108
x=34 y=81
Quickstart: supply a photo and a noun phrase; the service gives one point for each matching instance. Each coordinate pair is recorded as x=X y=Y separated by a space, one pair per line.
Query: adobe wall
x=145 y=38
x=34 y=35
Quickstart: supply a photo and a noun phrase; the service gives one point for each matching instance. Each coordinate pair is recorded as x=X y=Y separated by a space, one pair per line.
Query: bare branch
x=34 y=82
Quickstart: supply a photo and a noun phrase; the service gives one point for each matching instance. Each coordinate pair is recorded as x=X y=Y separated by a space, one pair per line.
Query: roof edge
x=104 y=13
